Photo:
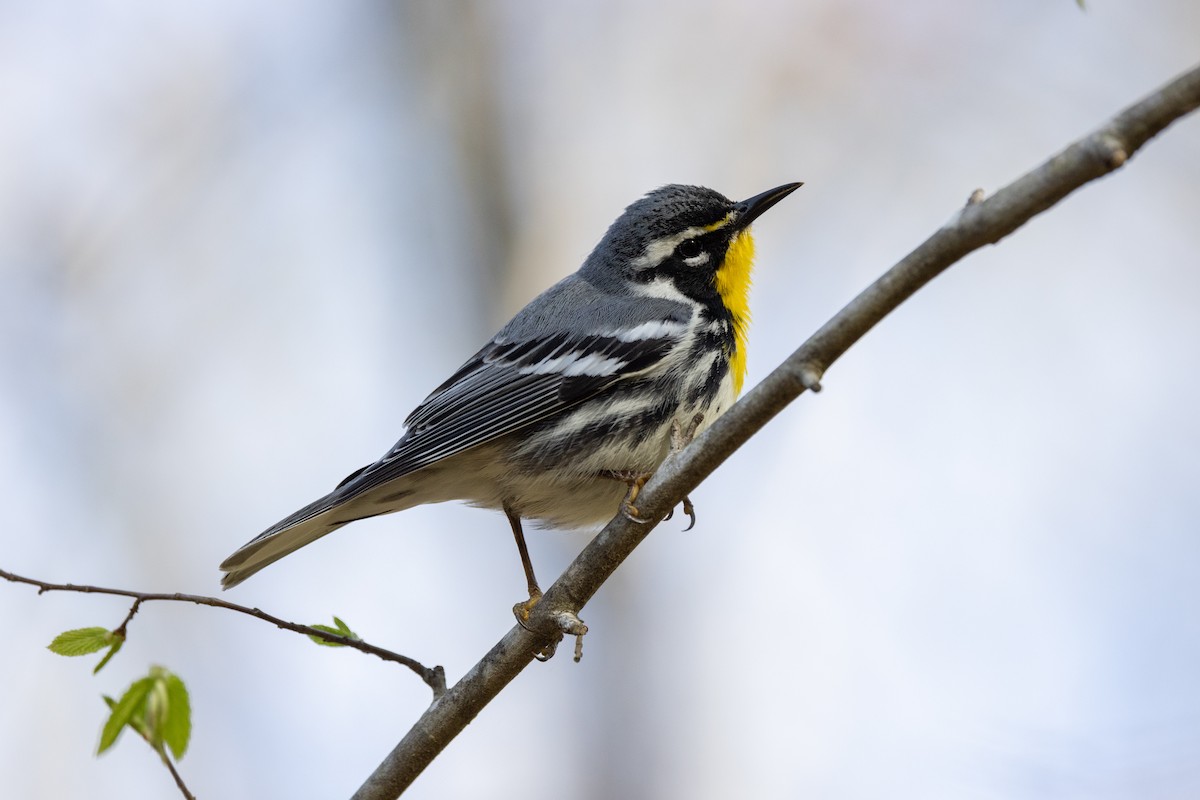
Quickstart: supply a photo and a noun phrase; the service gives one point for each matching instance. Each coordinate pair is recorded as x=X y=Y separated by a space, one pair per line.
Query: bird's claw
x=632 y=514
x=553 y=626
x=635 y=481
x=548 y=650
x=522 y=610
x=690 y=510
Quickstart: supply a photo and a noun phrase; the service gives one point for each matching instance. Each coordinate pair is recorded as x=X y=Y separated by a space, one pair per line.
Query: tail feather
x=352 y=500
x=288 y=535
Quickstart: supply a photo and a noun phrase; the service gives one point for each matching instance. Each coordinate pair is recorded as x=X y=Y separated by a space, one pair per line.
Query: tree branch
x=434 y=677
x=981 y=222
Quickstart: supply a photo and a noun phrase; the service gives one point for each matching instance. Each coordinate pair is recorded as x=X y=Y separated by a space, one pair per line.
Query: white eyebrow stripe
x=660 y=249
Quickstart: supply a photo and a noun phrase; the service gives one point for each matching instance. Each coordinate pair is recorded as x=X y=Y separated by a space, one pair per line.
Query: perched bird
x=568 y=410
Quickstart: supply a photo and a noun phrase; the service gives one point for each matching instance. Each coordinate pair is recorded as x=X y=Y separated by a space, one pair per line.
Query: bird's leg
x=681 y=437
x=535 y=593
x=563 y=621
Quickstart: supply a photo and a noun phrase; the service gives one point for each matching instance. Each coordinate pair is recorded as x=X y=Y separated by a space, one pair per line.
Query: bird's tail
x=304 y=527
x=345 y=504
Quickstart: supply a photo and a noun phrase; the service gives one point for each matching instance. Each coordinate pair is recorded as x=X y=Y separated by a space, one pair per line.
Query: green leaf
x=135 y=722
x=1082 y=5
x=157 y=709
x=168 y=714
x=177 y=726
x=342 y=629
x=131 y=704
x=326 y=642
x=112 y=651
x=82 y=641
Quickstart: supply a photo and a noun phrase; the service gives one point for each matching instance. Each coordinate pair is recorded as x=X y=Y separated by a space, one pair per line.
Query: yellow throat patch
x=733 y=284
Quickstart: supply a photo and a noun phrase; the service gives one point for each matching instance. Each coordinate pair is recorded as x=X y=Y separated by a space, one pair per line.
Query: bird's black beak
x=752 y=209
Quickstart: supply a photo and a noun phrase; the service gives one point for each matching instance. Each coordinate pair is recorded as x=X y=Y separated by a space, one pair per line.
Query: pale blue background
x=240 y=241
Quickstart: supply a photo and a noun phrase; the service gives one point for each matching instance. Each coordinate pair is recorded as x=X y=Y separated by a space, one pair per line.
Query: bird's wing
x=571 y=343
x=515 y=382
x=509 y=384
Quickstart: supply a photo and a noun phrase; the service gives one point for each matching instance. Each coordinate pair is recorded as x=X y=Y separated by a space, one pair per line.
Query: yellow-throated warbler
x=578 y=399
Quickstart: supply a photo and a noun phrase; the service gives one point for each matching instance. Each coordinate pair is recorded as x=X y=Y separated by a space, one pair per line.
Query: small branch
x=175 y=774
x=434 y=677
x=983 y=221
x=120 y=629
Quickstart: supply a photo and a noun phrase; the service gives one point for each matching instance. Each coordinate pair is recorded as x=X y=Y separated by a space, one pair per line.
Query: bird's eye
x=690 y=249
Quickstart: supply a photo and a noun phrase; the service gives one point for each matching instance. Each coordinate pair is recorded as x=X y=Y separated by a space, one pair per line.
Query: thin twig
x=120 y=629
x=175 y=774
x=981 y=222
x=434 y=677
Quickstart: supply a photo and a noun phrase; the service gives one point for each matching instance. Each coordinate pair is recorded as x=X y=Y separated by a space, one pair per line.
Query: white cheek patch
x=664 y=289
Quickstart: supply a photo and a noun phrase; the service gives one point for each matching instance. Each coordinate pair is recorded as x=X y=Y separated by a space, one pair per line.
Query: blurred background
x=240 y=241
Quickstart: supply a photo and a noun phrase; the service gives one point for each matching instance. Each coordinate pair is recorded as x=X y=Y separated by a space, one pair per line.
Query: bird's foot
x=681 y=437
x=553 y=624
x=522 y=610
x=688 y=509
x=635 y=481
